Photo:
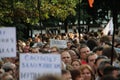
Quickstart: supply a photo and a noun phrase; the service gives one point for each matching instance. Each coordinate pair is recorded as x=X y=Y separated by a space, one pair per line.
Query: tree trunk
x=66 y=26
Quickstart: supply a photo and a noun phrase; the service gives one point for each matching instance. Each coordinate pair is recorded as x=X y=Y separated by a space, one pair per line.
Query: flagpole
x=112 y=54
x=113 y=36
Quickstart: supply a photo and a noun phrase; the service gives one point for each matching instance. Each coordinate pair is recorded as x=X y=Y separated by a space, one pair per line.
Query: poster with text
x=33 y=66
x=58 y=43
x=8 y=42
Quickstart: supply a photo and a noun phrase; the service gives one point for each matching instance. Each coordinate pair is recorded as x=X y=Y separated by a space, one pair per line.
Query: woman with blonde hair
x=86 y=72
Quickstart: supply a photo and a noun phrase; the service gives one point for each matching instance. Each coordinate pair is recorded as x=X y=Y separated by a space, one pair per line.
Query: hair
x=6 y=74
x=75 y=74
x=91 y=54
x=49 y=77
x=83 y=46
x=100 y=57
x=109 y=69
x=71 y=52
x=118 y=44
x=57 y=49
x=102 y=65
x=104 y=39
x=91 y=43
x=76 y=60
x=98 y=48
x=86 y=66
x=108 y=77
x=108 y=52
x=64 y=71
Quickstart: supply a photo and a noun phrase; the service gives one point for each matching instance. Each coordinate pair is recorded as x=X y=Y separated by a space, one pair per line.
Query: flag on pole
x=109 y=28
x=91 y=3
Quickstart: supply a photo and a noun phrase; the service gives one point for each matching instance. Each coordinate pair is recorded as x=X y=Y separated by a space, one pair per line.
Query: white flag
x=109 y=28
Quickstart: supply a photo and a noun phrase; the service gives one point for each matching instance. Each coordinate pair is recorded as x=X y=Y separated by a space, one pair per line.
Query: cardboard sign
x=34 y=65
x=58 y=43
x=8 y=42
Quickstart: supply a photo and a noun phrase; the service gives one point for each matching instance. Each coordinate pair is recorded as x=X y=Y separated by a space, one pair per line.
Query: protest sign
x=58 y=43
x=34 y=65
x=8 y=42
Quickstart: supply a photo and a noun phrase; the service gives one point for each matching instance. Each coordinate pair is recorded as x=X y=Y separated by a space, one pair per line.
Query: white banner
x=34 y=65
x=108 y=28
x=58 y=43
x=8 y=42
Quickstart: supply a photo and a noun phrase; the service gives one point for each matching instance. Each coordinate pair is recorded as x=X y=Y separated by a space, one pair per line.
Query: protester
x=54 y=49
x=76 y=75
x=76 y=64
x=66 y=75
x=91 y=60
x=66 y=58
x=101 y=67
x=73 y=54
x=111 y=70
x=49 y=77
x=79 y=61
x=108 y=52
x=108 y=77
x=83 y=52
x=86 y=72
x=7 y=76
x=98 y=50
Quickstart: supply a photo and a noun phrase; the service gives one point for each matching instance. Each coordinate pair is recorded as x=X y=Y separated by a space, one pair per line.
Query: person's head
x=46 y=48
x=84 y=51
x=66 y=58
x=76 y=64
x=99 y=60
x=101 y=67
x=108 y=77
x=69 y=44
x=7 y=76
x=66 y=75
x=111 y=70
x=26 y=49
x=9 y=68
x=30 y=39
x=37 y=39
x=108 y=52
x=91 y=59
x=1 y=72
x=73 y=54
x=76 y=75
x=86 y=72
x=98 y=50
x=1 y=63
x=92 y=43
x=117 y=42
x=49 y=77
x=34 y=50
x=54 y=49
x=104 y=39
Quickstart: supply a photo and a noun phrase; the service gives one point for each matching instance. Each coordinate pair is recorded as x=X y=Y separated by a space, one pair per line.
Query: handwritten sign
x=34 y=65
x=8 y=42
x=58 y=43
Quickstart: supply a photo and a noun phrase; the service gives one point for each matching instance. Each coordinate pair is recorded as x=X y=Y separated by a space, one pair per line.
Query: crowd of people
x=86 y=57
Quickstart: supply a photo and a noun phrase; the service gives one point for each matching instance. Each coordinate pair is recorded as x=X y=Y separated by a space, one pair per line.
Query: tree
x=27 y=11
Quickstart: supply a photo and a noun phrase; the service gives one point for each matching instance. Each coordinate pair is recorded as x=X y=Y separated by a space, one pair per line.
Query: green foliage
x=29 y=11
x=20 y=31
x=19 y=13
x=60 y=9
